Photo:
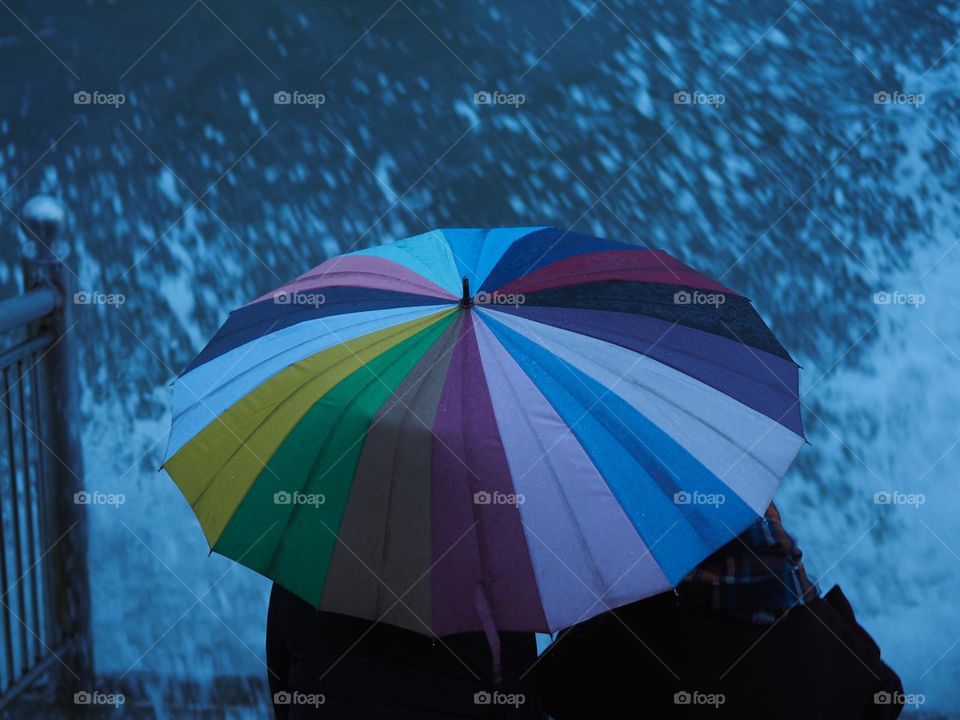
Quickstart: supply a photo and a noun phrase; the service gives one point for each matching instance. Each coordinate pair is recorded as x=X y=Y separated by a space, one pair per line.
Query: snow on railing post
x=44 y=253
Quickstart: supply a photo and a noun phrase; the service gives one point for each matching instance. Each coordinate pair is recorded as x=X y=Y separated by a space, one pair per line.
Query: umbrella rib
x=400 y=400
x=594 y=567
x=217 y=386
x=241 y=326
x=307 y=277
x=309 y=477
x=775 y=385
x=417 y=388
x=276 y=408
x=692 y=382
x=663 y=466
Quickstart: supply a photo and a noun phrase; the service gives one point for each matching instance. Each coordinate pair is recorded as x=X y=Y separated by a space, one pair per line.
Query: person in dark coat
x=746 y=634
x=326 y=665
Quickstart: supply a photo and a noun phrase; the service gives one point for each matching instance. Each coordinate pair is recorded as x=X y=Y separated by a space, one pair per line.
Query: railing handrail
x=35 y=344
x=26 y=308
x=44 y=357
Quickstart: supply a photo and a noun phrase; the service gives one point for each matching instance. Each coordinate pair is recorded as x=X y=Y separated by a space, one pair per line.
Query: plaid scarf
x=757 y=577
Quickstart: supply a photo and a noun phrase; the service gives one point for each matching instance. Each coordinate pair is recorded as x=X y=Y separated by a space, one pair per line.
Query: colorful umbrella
x=594 y=421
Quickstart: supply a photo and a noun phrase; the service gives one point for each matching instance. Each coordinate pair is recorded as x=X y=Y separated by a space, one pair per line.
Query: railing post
x=44 y=251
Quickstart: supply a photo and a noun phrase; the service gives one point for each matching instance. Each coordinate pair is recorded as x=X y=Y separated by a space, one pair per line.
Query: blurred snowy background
x=814 y=165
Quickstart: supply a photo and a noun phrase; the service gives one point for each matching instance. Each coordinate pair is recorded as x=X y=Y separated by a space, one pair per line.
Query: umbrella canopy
x=512 y=427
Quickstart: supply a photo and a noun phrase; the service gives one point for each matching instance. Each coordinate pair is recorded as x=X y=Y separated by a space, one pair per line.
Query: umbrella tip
x=466 y=300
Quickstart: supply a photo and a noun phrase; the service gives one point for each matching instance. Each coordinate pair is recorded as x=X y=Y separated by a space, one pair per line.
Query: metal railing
x=44 y=586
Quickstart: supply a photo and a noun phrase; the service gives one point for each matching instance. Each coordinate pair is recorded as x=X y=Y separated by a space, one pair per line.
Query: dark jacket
x=672 y=660
x=325 y=665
